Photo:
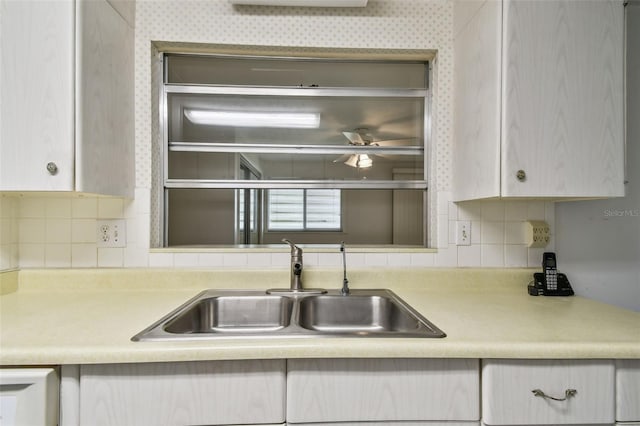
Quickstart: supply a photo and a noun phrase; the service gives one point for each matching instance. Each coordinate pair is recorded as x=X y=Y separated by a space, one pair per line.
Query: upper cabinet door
x=66 y=104
x=478 y=99
x=563 y=98
x=36 y=95
x=539 y=99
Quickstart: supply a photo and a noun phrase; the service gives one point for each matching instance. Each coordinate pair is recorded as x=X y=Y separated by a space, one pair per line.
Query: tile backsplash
x=59 y=230
x=52 y=230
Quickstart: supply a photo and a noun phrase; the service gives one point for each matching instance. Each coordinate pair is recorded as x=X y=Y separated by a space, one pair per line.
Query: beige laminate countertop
x=89 y=316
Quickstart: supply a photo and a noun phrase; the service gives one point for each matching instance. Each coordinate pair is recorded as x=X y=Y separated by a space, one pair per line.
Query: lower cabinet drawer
x=521 y=392
x=183 y=393
x=382 y=390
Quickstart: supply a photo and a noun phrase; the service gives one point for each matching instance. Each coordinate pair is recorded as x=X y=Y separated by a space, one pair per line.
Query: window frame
x=264 y=185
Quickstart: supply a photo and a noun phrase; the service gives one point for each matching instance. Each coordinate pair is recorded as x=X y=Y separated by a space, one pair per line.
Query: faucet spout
x=296 y=266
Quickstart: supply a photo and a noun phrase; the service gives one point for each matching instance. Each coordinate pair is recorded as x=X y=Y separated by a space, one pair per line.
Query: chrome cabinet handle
x=567 y=394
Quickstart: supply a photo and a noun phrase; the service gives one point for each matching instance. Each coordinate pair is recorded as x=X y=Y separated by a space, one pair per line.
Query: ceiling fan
x=361 y=137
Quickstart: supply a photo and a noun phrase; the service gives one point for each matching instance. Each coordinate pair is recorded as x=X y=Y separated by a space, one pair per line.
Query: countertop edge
x=63 y=357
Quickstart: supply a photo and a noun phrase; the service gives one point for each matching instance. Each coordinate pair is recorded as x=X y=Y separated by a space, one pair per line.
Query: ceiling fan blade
x=354 y=138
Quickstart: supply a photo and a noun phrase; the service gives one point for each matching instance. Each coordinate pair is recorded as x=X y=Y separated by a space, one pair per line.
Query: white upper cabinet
x=539 y=99
x=66 y=97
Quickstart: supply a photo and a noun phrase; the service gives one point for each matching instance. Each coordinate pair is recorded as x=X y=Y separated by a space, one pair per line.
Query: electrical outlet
x=538 y=233
x=463 y=233
x=111 y=233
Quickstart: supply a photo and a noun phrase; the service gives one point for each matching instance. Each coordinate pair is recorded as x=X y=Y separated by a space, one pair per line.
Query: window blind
x=304 y=209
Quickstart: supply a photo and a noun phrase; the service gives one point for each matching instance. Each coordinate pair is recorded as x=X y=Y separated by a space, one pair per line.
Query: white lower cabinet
x=354 y=392
x=628 y=391
x=382 y=390
x=183 y=393
x=29 y=396
x=548 y=392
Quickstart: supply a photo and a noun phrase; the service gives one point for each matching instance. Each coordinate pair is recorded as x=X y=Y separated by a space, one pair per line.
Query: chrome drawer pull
x=567 y=394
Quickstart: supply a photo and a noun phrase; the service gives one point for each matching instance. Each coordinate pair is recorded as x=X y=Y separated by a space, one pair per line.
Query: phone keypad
x=551 y=279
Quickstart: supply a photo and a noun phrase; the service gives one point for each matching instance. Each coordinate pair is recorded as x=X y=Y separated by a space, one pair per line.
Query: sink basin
x=356 y=314
x=253 y=313
x=233 y=314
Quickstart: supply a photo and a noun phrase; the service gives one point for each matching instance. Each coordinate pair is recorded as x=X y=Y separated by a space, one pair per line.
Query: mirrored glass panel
x=296 y=120
x=211 y=217
x=251 y=71
x=225 y=166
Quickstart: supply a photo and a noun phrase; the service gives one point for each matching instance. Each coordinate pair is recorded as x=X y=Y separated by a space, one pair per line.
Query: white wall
x=59 y=231
x=598 y=242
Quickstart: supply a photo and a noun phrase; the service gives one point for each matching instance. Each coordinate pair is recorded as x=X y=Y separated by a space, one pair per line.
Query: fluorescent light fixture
x=305 y=3
x=359 y=161
x=290 y=120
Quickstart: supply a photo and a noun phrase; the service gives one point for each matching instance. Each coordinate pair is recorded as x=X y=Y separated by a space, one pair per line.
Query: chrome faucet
x=345 y=282
x=296 y=266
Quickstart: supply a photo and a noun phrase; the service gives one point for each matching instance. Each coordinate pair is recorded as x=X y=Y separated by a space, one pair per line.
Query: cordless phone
x=550 y=272
x=549 y=282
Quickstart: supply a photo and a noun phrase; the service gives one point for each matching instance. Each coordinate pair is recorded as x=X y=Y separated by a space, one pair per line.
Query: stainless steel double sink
x=250 y=313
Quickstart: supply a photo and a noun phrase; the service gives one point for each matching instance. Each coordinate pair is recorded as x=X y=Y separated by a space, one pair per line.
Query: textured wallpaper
x=389 y=25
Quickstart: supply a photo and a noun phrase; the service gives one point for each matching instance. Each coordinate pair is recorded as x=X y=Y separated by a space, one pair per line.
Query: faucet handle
x=296 y=274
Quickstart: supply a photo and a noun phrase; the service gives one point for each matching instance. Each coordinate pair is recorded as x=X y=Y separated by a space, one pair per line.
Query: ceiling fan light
x=352 y=161
x=359 y=161
x=364 y=161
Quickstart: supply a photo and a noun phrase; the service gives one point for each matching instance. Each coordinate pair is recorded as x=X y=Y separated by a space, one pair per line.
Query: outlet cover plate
x=538 y=233
x=463 y=233
x=111 y=233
